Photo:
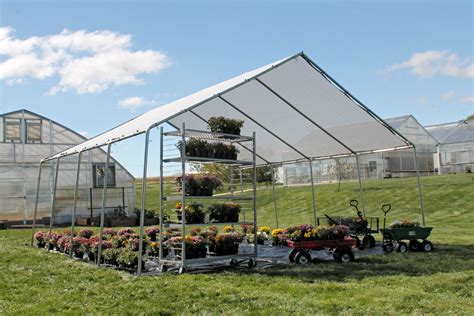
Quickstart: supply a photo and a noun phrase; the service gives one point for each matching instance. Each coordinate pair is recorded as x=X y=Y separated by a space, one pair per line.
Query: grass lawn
x=35 y=282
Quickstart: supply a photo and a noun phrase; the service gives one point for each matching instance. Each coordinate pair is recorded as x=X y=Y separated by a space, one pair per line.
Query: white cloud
x=448 y=96
x=467 y=100
x=432 y=63
x=133 y=103
x=86 y=62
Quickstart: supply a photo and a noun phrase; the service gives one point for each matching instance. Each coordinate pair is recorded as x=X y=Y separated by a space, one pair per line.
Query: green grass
x=34 y=282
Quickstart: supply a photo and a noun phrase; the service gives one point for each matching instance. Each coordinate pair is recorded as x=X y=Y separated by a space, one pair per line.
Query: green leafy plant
x=127 y=259
x=221 y=124
x=194 y=212
x=224 y=212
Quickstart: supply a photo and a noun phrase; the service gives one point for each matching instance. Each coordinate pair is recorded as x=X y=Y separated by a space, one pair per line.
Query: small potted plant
x=40 y=239
x=277 y=237
x=194 y=212
x=224 y=212
x=128 y=259
x=86 y=233
x=228 y=243
x=195 y=246
x=110 y=256
x=152 y=232
x=221 y=124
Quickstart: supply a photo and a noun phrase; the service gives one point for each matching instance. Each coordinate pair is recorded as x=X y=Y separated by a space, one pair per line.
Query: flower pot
x=41 y=244
x=227 y=250
x=79 y=254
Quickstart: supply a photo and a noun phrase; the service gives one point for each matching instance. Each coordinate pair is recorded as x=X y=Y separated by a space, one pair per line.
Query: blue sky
x=396 y=57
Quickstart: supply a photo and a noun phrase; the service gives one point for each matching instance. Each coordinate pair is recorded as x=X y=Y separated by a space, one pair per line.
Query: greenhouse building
x=27 y=137
x=456 y=148
x=380 y=165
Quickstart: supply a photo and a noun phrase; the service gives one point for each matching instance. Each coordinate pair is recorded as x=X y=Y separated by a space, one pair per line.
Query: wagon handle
x=355 y=204
x=386 y=208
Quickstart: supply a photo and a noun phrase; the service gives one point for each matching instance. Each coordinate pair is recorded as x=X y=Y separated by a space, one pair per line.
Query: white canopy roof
x=297 y=111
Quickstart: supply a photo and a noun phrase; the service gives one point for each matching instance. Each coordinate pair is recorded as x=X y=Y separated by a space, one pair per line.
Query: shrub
x=224 y=212
x=86 y=233
x=220 y=124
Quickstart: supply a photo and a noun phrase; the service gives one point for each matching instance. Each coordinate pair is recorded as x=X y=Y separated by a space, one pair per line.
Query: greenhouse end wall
x=26 y=138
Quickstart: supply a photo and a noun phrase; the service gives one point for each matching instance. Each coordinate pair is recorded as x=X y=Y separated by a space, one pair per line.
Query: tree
x=341 y=168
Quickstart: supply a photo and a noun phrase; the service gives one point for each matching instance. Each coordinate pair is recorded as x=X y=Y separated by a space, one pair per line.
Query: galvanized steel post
x=53 y=202
x=361 y=189
x=33 y=226
x=74 y=207
x=104 y=201
x=142 y=210
x=422 y=206
x=313 y=195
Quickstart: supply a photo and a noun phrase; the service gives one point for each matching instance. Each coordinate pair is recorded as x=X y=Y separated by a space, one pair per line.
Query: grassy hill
x=35 y=282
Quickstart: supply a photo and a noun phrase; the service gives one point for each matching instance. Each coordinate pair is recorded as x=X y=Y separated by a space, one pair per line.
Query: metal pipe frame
x=313 y=194
x=160 y=257
x=74 y=206
x=274 y=197
x=261 y=126
x=303 y=115
x=183 y=197
x=242 y=187
x=142 y=210
x=361 y=189
x=420 y=193
x=254 y=183
x=33 y=226
x=104 y=201
x=53 y=202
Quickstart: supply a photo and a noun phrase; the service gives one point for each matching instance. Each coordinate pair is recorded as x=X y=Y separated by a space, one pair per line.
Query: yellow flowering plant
x=264 y=229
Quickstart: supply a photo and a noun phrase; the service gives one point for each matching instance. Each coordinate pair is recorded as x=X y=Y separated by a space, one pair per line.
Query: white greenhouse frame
x=296 y=77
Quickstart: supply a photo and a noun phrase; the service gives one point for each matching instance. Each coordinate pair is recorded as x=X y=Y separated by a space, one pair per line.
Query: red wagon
x=341 y=249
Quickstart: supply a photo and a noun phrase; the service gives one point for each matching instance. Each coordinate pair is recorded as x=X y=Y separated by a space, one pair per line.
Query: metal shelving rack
x=241 y=189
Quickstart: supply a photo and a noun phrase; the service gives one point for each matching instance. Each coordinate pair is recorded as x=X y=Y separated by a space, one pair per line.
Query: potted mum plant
x=152 y=232
x=228 y=243
x=195 y=246
x=194 y=212
x=224 y=212
x=198 y=185
x=40 y=239
x=221 y=124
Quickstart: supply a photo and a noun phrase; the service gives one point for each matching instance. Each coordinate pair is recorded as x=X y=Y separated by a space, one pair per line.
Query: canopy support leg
x=53 y=202
x=420 y=193
x=74 y=206
x=104 y=201
x=313 y=195
x=361 y=189
x=142 y=211
x=33 y=226
x=274 y=198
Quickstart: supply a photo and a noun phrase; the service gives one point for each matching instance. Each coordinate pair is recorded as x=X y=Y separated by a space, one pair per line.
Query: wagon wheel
x=252 y=263
x=427 y=246
x=414 y=245
x=302 y=257
x=359 y=243
x=368 y=241
x=292 y=255
x=388 y=247
x=233 y=262
x=402 y=247
x=343 y=255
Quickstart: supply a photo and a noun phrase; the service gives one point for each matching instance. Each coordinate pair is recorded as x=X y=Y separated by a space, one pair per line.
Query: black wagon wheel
x=427 y=246
x=368 y=241
x=414 y=245
x=252 y=263
x=343 y=255
x=302 y=257
x=388 y=247
x=292 y=255
x=402 y=247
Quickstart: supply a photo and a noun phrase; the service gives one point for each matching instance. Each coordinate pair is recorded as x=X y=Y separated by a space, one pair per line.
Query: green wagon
x=396 y=237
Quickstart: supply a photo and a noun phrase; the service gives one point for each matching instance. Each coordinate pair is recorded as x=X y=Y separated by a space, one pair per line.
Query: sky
x=92 y=65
